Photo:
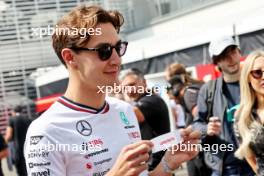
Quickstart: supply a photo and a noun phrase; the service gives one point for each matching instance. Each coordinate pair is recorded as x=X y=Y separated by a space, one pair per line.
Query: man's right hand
x=132 y=160
x=214 y=126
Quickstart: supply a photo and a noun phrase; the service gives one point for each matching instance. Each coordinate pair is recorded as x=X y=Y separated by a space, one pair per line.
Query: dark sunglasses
x=257 y=74
x=105 y=50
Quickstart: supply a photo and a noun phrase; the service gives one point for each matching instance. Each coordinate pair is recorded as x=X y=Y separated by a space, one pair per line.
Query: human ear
x=69 y=58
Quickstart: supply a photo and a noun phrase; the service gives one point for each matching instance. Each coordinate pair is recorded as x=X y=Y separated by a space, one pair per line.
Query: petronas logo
x=124 y=118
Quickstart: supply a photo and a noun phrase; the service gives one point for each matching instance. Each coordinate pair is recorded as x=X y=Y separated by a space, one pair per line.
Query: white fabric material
x=107 y=133
x=177 y=108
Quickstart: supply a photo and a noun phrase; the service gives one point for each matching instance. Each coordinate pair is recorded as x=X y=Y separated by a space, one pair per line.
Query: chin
x=261 y=91
x=113 y=82
x=234 y=71
x=132 y=97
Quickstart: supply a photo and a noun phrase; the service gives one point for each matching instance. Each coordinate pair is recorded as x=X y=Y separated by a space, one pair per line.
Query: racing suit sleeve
x=41 y=155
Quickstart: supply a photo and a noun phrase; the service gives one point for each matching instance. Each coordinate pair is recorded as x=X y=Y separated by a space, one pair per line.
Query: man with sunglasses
x=85 y=133
x=214 y=118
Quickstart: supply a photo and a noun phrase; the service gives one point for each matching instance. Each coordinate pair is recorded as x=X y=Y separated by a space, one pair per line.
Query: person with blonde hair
x=250 y=115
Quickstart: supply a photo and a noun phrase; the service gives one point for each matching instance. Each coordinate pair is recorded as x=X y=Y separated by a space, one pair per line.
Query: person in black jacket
x=16 y=131
x=3 y=152
x=150 y=109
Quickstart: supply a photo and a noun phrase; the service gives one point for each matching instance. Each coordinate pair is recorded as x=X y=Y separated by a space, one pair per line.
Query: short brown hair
x=180 y=69
x=82 y=17
x=175 y=69
x=224 y=54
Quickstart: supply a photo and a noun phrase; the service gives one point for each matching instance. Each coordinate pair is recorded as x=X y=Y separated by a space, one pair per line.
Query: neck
x=229 y=78
x=83 y=94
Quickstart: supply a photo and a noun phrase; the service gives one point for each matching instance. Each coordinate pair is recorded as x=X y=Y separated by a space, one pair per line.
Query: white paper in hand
x=165 y=141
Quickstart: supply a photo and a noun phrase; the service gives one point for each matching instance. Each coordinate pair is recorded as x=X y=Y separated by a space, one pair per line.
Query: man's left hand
x=184 y=151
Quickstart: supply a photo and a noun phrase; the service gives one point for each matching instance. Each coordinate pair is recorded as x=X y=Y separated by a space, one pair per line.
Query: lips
x=111 y=72
x=232 y=65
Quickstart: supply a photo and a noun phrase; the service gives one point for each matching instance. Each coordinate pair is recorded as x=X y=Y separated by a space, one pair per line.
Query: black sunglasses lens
x=105 y=52
x=122 y=48
x=118 y=48
x=257 y=74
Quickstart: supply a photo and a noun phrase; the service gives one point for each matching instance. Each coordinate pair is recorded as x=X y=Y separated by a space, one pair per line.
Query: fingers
x=192 y=143
x=132 y=160
x=137 y=170
x=140 y=160
x=214 y=126
x=138 y=150
x=214 y=119
x=185 y=132
x=135 y=145
x=137 y=158
x=195 y=135
x=213 y=132
x=176 y=156
x=188 y=134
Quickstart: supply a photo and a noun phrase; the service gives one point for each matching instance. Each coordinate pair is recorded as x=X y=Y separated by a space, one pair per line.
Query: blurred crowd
x=228 y=110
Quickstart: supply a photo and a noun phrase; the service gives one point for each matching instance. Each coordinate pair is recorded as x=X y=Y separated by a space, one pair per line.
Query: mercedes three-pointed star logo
x=84 y=128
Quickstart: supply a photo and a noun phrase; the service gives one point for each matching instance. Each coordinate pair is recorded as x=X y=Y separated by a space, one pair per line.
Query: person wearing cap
x=212 y=119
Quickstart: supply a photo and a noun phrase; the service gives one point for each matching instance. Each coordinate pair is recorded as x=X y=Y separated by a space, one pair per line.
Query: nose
x=115 y=59
x=231 y=59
